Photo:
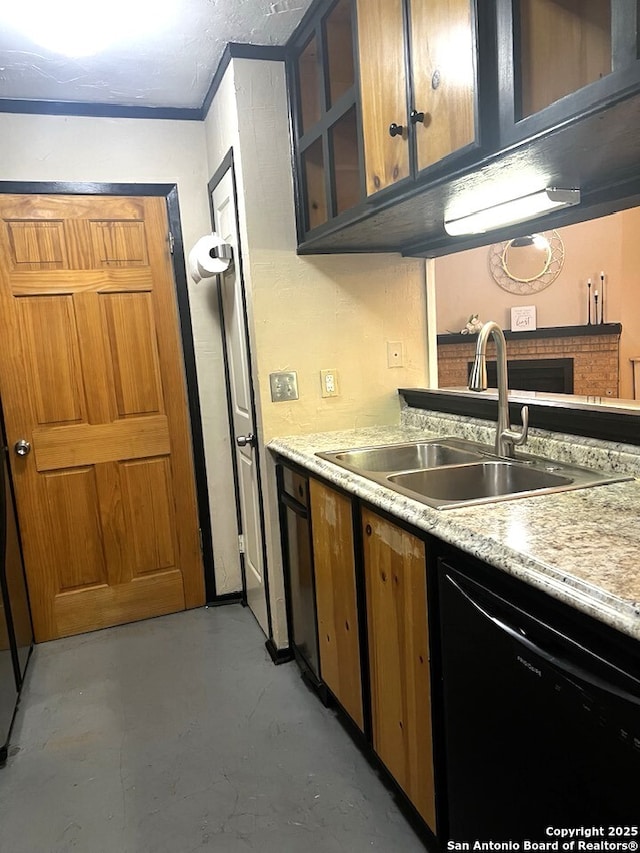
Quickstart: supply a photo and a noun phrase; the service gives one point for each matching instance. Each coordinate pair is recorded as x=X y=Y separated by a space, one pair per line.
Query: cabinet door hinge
x=172 y=242
x=241 y=543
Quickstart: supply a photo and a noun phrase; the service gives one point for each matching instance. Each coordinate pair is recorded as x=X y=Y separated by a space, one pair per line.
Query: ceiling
x=172 y=67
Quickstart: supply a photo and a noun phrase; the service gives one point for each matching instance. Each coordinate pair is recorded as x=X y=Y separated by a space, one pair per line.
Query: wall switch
x=395 y=354
x=329 y=382
x=284 y=386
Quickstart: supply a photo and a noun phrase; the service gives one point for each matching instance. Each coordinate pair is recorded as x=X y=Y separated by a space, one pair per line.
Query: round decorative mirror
x=528 y=264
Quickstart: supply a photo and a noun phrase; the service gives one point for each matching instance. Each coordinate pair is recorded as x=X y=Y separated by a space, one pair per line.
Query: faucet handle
x=516 y=439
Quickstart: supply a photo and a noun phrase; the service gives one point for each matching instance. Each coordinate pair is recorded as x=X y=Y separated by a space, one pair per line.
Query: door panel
x=87 y=308
x=442 y=47
x=383 y=91
x=235 y=332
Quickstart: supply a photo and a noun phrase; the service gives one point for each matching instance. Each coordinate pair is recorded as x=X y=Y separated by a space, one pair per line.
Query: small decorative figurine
x=473 y=326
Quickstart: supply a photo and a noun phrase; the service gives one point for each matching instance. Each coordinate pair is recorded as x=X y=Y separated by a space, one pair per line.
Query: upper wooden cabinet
x=325 y=117
x=559 y=60
x=417 y=85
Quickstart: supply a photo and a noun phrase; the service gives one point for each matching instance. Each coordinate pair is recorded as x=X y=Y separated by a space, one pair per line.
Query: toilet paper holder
x=223 y=252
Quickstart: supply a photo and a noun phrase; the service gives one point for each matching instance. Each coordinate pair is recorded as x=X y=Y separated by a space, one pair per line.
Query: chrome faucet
x=506 y=438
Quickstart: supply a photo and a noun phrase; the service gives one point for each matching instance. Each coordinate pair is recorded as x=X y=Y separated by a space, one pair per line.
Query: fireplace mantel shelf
x=593 y=330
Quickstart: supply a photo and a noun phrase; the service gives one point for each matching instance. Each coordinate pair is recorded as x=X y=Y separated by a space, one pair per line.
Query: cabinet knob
x=368 y=530
x=396 y=129
x=415 y=116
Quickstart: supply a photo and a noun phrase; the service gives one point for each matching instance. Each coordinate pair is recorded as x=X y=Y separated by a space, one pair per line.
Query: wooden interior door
x=383 y=91
x=91 y=376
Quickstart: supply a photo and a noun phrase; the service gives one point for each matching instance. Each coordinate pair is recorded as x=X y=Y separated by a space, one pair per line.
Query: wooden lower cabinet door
x=396 y=592
x=336 y=601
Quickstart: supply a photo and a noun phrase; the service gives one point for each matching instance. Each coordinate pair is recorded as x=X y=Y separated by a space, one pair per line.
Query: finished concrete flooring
x=178 y=734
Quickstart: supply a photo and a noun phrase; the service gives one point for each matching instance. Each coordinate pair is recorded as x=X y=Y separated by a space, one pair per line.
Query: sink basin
x=403 y=457
x=449 y=472
x=479 y=482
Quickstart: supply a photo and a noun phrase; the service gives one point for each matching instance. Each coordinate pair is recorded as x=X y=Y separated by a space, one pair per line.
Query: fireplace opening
x=552 y=375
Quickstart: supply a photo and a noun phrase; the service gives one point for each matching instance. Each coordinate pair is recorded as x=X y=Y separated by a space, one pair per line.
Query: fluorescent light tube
x=512 y=211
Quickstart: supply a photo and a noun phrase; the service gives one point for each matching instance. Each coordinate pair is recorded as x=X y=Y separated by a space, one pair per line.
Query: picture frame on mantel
x=523 y=318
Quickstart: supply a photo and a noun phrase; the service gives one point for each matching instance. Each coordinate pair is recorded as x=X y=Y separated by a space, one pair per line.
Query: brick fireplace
x=589 y=353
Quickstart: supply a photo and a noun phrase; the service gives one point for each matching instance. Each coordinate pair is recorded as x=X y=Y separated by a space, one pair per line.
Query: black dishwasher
x=299 y=578
x=541 y=727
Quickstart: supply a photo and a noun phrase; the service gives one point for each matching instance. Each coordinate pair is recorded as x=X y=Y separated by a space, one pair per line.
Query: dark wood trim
x=279 y=656
x=227 y=598
x=73 y=108
x=573 y=107
x=236 y=50
x=606 y=425
x=593 y=330
x=193 y=392
x=170 y=193
x=233 y=50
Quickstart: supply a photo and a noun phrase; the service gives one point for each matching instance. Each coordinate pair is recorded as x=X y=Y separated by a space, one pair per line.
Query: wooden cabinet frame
x=314 y=26
x=623 y=80
x=364 y=736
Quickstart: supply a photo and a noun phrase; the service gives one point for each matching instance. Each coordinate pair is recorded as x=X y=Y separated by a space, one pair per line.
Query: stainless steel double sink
x=450 y=472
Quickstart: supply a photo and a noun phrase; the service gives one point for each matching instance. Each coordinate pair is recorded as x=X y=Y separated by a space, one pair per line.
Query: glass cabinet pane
x=309 y=85
x=316 y=198
x=339 y=43
x=564 y=45
x=344 y=141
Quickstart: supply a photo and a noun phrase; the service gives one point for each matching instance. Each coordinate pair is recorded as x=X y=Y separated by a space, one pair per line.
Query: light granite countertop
x=582 y=547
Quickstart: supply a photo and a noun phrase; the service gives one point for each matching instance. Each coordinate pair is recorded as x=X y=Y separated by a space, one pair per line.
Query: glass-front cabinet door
x=325 y=118
x=560 y=58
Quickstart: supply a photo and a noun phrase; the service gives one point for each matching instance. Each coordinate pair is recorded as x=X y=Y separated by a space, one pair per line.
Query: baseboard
x=227 y=598
x=279 y=656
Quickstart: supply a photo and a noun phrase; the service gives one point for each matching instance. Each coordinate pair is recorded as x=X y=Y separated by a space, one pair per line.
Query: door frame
x=170 y=193
x=227 y=164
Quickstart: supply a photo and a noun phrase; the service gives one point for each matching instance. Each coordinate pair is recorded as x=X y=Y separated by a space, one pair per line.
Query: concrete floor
x=178 y=734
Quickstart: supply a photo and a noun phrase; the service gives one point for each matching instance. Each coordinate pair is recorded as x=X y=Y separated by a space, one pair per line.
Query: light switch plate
x=284 y=386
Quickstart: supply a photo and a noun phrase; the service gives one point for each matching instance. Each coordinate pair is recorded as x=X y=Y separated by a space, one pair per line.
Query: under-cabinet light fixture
x=510 y=212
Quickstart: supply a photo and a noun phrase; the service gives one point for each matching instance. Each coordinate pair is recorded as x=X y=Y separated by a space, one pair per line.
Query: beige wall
x=308 y=313
x=464 y=285
x=61 y=148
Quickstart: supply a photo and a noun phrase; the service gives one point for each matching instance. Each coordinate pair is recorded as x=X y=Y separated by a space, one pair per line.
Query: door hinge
x=201 y=541
x=241 y=543
x=172 y=242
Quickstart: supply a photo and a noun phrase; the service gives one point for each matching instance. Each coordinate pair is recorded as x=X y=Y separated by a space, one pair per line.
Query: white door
x=239 y=380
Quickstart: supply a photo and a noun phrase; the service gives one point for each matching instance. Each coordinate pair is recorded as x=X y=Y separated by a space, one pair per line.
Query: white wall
x=308 y=313
x=61 y=148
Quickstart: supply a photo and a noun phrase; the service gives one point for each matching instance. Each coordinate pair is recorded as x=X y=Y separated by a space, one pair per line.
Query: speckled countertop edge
x=581 y=547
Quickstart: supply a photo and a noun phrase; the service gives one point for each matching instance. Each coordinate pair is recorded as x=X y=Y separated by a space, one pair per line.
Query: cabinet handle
x=415 y=116
x=396 y=129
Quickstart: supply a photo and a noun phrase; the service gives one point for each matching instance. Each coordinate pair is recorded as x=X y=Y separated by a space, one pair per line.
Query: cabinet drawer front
x=295 y=485
x=383 y=91
x=396 y=591
x=335 y=578
x=443 y=64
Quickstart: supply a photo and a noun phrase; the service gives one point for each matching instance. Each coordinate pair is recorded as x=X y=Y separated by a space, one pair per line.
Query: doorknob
x=243 y=440
x=22 y=447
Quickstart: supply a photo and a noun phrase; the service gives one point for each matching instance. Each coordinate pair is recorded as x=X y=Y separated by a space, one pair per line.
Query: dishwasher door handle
x=567 y=668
